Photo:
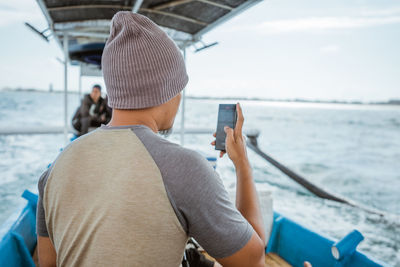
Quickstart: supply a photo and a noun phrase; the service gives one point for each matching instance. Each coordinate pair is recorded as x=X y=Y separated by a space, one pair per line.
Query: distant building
x=394 y=102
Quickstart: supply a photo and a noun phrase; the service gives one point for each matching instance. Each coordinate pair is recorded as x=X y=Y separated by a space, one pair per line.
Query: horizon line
x=391 y=100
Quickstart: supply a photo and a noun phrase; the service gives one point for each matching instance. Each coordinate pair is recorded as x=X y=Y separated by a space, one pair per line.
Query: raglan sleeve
x=41 y=227
x=204 y=205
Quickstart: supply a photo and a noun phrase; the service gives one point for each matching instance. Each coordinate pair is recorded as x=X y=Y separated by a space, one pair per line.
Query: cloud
x=18 y=5
x=9 y=17
x=12 y=12
x=328 y=49
x=381 y=12
x=318 y=24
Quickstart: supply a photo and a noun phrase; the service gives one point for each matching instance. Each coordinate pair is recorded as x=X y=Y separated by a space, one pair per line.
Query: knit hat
x=142 y=66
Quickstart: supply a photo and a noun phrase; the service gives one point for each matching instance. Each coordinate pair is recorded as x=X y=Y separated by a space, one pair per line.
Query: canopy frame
x=185 y=21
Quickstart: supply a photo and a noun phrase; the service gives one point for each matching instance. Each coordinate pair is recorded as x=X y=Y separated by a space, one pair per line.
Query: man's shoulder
x=180 y=152
x=172 y=151
x=175 y=156
x=43 y=179
x=192 y=157
x=87 y=98
x=191 y=160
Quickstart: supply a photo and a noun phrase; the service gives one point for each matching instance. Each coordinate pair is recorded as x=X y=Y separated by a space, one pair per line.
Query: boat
x=290 y=244
x=81 y=31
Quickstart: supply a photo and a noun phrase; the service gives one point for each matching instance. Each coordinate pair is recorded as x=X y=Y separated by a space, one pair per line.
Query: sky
x=278 y=49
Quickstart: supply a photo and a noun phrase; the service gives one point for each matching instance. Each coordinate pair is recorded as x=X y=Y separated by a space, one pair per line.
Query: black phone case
x=226 y=117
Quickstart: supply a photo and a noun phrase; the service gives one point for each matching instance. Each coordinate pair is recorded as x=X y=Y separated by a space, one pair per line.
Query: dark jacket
x=93 y=110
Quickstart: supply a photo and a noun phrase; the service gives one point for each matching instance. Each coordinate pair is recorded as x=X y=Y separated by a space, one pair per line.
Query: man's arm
x=85 y=106
x=247 y=199
x=46 y=252
x=253 y=253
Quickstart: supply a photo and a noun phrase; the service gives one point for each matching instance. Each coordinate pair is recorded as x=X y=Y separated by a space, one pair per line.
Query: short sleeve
x=198 y=196
x=211 y=218
x=41 y=228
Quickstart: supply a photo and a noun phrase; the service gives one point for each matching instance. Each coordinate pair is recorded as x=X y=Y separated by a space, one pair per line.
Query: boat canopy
x=81 y=28
x=88 y=21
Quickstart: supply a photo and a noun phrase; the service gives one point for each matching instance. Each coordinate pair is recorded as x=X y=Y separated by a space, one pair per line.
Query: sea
x=349 y=150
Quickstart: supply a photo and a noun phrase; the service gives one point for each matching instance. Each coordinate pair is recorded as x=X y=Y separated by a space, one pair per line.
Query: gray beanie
x=142 y=66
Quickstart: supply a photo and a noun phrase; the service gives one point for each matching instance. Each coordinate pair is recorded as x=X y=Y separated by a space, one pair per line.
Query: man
x=92 y=113
x=136 y=198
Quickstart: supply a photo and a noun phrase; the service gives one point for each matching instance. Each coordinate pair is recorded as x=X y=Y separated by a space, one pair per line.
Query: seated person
x=92 y=113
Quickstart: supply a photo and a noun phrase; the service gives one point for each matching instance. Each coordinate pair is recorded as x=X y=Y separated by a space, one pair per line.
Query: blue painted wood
x=346 y=247
x=297 y=244
x=17 y=246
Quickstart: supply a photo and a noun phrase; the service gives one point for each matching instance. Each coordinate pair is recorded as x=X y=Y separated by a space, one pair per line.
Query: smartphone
x=226 y=117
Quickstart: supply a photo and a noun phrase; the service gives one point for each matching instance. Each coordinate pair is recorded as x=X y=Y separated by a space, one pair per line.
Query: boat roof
x=185 y=21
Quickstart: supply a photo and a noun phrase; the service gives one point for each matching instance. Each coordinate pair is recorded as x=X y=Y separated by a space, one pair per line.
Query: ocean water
x=351 y=150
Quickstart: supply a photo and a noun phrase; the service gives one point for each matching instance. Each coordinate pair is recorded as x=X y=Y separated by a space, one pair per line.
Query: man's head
x=96 y=93
x=143 y=69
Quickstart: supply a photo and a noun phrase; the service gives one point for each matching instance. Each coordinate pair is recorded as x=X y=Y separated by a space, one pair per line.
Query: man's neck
x=94 y=100
x=133 y=117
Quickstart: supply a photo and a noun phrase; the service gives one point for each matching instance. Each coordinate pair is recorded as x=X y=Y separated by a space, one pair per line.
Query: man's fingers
x=221 y=154
x=229 y=134
x=239 y=121
x=213 y=143
x=215 y=134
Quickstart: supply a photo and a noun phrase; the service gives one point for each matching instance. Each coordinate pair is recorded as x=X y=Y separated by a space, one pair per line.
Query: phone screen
x=226 y=117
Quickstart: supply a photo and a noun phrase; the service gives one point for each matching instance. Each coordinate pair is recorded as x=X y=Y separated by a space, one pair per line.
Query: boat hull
x=291 y=241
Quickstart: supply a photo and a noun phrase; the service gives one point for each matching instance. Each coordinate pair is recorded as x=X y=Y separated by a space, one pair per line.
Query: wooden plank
x=271 y=260
x=173 y=15
x=63 y=8
x=215 y=4
x=181 y=2
x=171 y=4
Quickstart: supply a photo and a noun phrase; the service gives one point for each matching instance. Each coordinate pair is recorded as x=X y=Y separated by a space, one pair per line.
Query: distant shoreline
x=296 y=100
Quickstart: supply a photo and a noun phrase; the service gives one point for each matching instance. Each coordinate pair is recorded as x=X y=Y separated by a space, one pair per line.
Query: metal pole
x=137 y=5
x=183 y=107
x=80 y=83
x=65 y=44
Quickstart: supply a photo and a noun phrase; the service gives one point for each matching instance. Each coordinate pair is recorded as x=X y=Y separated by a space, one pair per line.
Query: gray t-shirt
x=195 y=191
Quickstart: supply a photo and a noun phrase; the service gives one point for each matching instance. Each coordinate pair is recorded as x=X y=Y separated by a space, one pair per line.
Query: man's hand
x=235 y=142
x=103 y=117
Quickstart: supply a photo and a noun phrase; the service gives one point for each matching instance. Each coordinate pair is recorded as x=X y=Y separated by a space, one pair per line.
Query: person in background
x=93 y=112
